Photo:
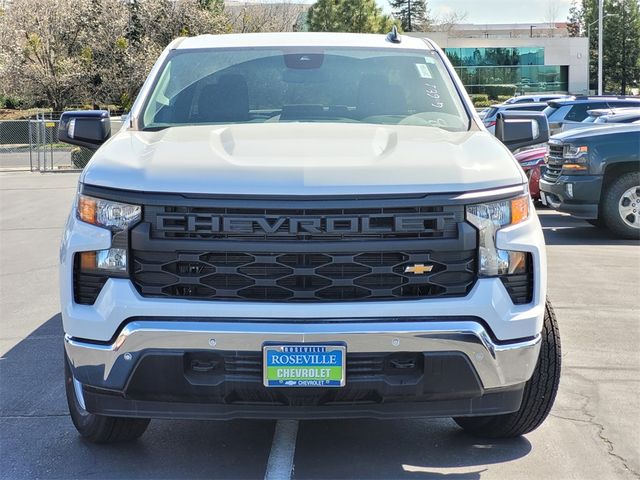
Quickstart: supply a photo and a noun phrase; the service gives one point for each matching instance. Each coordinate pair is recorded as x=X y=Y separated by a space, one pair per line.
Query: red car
x=532 y=162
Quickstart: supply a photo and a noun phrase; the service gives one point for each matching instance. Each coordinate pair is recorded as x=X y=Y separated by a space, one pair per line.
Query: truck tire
x=98 y=428
x=539 y=392
x=621 y=206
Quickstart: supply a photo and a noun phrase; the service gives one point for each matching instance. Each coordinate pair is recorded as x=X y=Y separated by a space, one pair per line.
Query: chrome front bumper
x=110 y=365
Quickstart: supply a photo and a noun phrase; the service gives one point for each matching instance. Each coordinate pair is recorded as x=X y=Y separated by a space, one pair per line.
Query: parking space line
x=283 y=448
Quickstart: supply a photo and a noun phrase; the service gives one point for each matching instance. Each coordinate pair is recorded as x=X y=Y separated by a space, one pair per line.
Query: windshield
x=491 y=113
x=228 y=86
x=556 y=112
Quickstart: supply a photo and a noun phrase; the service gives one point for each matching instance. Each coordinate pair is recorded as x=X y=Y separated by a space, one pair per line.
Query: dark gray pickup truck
x=594 y=173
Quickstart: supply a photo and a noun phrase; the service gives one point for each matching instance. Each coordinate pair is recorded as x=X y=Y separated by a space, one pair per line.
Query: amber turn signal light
x=87 y=209
x=574 y=166
x=87 y=261
x=519 y=209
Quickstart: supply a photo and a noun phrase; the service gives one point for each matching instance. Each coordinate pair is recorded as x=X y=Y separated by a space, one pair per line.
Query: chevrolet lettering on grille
x=309 y=225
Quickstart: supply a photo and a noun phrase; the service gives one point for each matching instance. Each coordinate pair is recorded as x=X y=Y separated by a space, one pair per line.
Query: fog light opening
x=569 y=189
x=110 y=260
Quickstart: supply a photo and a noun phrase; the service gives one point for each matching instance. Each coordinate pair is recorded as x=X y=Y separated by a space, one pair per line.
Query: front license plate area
x=304 y=366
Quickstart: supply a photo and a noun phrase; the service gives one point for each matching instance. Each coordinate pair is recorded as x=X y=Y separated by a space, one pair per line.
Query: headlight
x=575 y=159
x=574 y=151
x=106 y=213
x=488 y=218
x=117 y=217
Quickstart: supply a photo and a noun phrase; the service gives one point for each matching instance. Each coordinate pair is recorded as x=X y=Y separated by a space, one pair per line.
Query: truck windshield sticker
x=423 y=70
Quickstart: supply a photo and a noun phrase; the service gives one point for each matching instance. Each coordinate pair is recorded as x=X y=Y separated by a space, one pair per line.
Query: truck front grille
x=358 y=364
x=554 y=163
x=310 y=249
x=552 y=173
x=303 y=276
x=308 y=224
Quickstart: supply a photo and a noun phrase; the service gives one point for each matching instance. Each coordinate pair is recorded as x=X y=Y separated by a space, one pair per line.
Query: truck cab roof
x=300 y=39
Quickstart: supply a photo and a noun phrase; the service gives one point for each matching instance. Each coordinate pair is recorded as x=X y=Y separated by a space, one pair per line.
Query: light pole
x=600 y=38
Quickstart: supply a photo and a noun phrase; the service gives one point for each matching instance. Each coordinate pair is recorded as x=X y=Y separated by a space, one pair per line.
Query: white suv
x=544 y=98
x=305 y=225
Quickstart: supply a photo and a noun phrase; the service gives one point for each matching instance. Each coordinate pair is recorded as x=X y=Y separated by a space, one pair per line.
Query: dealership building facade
x=542 y=60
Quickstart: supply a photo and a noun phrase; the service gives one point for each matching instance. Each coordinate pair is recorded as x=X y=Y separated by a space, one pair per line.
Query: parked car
x=603 y=117
x=536 y=98
x=533 y=163
x=491 y=116
x=567 y=113
x=630 y=116
x=594 y=173
x=241 y=251
x=593 y=115
x=482 y=113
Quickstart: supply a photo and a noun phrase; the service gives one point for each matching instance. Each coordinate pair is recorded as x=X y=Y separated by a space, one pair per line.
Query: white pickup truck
x=305 y=225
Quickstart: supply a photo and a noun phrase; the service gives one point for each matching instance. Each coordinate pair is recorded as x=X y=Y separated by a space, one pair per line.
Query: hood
x=532 y=154
x=596 y=131
x=302 y=159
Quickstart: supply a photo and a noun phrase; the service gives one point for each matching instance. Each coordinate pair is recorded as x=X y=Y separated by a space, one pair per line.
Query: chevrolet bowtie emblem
x=418 y=269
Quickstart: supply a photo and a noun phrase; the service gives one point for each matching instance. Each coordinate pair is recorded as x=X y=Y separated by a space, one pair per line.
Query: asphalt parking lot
x=592 y=433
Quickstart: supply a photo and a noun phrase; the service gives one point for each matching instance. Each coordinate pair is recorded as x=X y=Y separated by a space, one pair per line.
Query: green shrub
x=503 y=98
x=479 y=97
x=482 y=104
x=13 y=103
x=494 y=91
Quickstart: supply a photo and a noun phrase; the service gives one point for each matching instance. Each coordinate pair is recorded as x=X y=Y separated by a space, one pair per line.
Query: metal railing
x=15 y=144
x=32 y=144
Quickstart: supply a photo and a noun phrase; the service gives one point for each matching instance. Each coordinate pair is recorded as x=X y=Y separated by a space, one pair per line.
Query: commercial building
x=518 y=57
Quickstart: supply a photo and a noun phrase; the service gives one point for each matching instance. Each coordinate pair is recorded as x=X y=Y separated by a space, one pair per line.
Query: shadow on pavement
x=560 y=229
x=418 y=449
x=38 y=440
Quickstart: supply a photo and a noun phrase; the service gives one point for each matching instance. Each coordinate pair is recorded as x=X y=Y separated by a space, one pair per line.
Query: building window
x=519 y=69
x=484 y=57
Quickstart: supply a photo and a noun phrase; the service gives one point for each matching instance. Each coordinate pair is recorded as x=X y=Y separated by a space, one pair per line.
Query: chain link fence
x=32 y=144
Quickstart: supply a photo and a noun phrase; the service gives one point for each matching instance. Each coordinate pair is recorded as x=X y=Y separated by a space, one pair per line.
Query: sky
x=499 y=11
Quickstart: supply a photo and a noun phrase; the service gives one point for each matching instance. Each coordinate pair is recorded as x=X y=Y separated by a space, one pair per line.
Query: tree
x=117 y=53
x=623 y=60
x=551 y=16
x=447 y=22
x=356 y=16
x=42 y=45
x=61 y=53
x=621 y=37
x=413 y=14
x=264 y=17
x=164 y=20
x=574 y=20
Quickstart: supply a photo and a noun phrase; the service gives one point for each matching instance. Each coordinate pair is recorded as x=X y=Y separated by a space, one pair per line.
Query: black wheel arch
x=618 y=168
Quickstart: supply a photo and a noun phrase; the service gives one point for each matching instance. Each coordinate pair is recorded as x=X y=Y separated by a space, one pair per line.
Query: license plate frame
x=301 y=371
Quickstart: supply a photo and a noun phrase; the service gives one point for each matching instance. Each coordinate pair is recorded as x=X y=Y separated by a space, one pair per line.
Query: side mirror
x=521 y=129
x=86 y=128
